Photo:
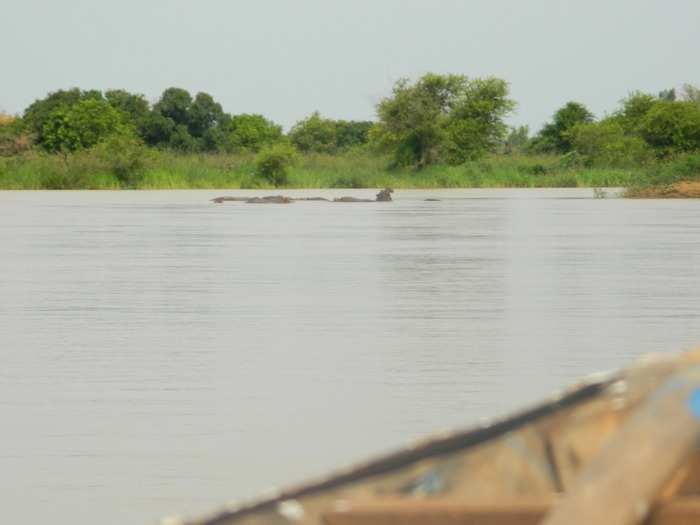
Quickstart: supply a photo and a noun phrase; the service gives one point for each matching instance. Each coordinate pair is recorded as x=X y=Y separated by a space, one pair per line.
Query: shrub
x=273 y=163
x=633 y=110
x=606 y=144
x=672 y=127
x=125 y=156
x=81 y=126
x=37 y=114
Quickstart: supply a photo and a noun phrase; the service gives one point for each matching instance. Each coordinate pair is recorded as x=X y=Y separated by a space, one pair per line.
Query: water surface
x=163 y=355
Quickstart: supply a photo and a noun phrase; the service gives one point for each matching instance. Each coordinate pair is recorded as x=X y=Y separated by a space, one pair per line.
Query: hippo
x=270 y=199
x=382 y=196
x=385 y=195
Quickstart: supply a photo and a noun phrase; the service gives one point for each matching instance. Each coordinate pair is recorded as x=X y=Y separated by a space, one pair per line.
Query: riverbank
x=164 y=170
x=677 y=179
x=679 y=190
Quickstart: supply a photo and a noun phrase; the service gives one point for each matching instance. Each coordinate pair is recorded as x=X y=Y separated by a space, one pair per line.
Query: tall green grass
x=320 y=171
x=167 y=170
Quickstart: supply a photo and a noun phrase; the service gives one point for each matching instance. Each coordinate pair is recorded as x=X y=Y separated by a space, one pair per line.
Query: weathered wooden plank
x=618 y=486
x=683 y=511
x=689 y=483
x=421 y=512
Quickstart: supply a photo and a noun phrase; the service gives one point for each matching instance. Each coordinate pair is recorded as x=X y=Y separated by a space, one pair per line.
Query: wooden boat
x=615 y=449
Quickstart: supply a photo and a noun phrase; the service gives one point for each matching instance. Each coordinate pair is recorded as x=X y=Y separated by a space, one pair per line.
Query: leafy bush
x=125 y=156
x=81 y=126
x=633 y=110
x=273 y=163
x=605 y=143
x=38 y=113
x=672 y=127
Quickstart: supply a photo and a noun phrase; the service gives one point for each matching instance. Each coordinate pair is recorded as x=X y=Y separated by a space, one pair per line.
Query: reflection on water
x=161 y=354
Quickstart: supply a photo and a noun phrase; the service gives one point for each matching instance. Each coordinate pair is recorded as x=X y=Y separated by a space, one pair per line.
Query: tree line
x=72 y=120
x=644 y=127
x=446 y=119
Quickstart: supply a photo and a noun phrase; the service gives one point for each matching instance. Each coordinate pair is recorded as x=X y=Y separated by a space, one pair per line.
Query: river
x=161 y=354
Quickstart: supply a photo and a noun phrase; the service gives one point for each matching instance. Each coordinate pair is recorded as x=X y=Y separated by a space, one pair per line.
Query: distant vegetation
x=439 y=131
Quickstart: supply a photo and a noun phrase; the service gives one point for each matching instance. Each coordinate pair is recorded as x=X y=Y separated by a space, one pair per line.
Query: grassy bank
x=165 y=170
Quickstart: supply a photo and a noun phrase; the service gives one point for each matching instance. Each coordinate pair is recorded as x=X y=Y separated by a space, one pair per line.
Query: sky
x=288 y=58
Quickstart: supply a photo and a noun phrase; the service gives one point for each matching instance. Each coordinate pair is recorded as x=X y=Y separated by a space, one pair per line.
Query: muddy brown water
x=161 y=354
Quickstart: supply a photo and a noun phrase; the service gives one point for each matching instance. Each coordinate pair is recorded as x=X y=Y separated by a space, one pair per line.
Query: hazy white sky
x=287 y=58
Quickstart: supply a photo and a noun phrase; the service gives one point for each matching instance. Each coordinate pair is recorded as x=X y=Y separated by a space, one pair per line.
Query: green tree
x=174 y=104
x=156 y=129
x=134 y=106
x=314 y=134
x=413 y=120
x=633 y=110
x=606 y=143
x=672 y=127
x=555 y=136
x=476 y=121
x=203 y=115
x=180 y=122
x=36 y=115
x=667 y=94
x=442 y=118
x=81 y=126
x=247 y=132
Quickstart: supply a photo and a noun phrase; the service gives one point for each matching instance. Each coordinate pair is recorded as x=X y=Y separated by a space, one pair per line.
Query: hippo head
x=384 y=195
